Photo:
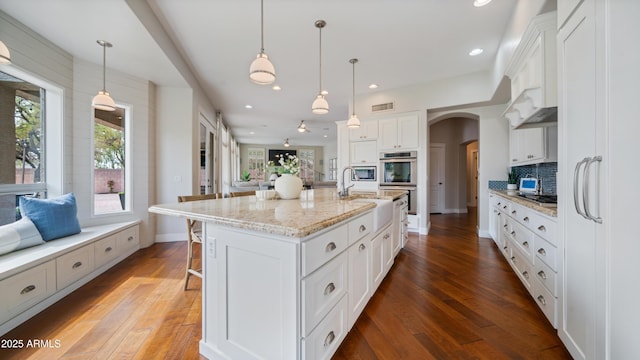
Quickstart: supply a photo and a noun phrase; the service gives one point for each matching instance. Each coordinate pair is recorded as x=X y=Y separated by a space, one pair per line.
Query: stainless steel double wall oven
x=398 y=171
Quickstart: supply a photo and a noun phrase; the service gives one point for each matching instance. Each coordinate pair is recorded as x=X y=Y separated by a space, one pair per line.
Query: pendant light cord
x=104 y=67
x=353 y=62
x=261 y=26
x=320 y=61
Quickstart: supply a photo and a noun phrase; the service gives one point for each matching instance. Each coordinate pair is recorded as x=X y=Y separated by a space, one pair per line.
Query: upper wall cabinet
x=532 y=71
x=398 y=133
x=368 y=130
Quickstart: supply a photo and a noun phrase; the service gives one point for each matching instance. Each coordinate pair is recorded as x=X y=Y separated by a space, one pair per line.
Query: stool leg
x=189 y=260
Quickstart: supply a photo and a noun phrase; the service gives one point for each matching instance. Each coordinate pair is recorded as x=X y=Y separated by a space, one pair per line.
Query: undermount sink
x=382 y=213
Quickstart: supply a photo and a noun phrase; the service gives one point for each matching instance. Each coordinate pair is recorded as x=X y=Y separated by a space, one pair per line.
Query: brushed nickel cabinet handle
x=505 y=247
x=525 y=244
x=77 y=265
x=362 y=228
x=130 y=238
x=525 y=274
x=386 y=236
x=361 y=247
x=542 y=228
x=329 y=288
x=108 y=249
x=329 y=339
x=513 y=212
x=513 y=259
x=526 y=219
x=27 y=289
x=542 y=275
x=542 y=300
x=513 y=233
x=576 y=198
x=542 y=252
x=330 y=247
x=504 y=207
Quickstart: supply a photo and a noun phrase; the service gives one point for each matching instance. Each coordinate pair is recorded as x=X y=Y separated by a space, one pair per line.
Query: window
x=110 y=161
x=256 y=163
x=333 y=169
x=307 y=165
x=22 y=137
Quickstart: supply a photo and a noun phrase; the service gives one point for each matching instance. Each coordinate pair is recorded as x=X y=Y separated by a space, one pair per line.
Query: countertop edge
x=264 y=227
x=551 y=212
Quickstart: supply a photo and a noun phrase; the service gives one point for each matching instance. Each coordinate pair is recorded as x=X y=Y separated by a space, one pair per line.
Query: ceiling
x=399 y=43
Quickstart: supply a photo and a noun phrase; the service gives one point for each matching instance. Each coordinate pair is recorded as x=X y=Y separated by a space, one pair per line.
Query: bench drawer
x=20 y=292
x=74 y=265
x=323 y=342
x=128 y=239
x=105 y=250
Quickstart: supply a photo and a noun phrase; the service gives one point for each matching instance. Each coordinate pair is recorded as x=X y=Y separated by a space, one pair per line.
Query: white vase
x=288 y=186
x=512 y=186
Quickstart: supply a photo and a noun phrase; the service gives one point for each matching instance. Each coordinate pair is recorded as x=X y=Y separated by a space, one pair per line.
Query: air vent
x=382 y=107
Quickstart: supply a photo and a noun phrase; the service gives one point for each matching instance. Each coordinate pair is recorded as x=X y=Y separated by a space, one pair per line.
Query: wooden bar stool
x=194 y=235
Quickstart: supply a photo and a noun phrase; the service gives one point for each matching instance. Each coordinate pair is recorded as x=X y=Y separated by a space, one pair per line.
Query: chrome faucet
x=345 y=190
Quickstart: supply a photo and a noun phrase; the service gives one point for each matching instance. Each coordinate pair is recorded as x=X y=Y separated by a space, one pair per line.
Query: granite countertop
x=512 y=196
x=315 y=210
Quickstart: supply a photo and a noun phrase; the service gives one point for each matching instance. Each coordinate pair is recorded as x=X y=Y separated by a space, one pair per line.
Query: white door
x=473 y=196
x=436 y=178
x=582 y=288
x=207 y=157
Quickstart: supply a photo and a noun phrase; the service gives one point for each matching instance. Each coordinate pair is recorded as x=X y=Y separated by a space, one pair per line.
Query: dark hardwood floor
x=449 y=295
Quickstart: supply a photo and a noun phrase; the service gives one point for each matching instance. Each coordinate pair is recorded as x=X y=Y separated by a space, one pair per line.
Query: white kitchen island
x=286 y=279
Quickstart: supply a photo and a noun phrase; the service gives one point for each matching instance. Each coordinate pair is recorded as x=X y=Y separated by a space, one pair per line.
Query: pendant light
x=303 y=127
x=261 y=70
x=353 y=122
x=103 y=100
x=5 y=55
x=286 y=142
x=320 y=105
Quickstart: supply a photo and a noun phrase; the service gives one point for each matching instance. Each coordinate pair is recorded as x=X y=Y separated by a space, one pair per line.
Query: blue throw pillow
x=19 y=235
x=54 y=218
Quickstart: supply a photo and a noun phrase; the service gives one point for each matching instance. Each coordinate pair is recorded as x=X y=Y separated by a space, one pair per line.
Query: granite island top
x=512 y=196
x=315 y=210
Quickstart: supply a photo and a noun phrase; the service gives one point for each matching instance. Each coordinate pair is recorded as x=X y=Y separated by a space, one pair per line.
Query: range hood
x=528 y=110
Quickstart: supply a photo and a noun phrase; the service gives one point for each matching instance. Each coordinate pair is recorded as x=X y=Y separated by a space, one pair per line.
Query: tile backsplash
x=546 y=171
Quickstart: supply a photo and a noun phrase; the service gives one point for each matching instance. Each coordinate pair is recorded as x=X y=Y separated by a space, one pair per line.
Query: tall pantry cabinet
x=598 y=70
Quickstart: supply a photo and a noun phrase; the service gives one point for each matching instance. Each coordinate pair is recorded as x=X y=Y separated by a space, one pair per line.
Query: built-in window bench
x=33 y=279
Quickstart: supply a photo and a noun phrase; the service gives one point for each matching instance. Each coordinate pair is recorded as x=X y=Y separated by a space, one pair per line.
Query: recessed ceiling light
x=478 y=3
x=251 y=132
x=248 y=106
x=276 y=87
x=324 y=92
x=325 y=135
x=373 y=86
x=475 y=52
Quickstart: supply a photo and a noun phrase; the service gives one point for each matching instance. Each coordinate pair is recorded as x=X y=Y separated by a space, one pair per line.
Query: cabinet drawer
x=546 y=252
x=546 y=276
x=546 y=301
x=74 y=265
x=323 y=248
x=523 y=238
x=105 y=250
x=521 y=266
x=517 y=211
x=323 y=342
x=543 y=227
x=360 y=227
x=21 y=291
x=322 y=290
x=128 y=239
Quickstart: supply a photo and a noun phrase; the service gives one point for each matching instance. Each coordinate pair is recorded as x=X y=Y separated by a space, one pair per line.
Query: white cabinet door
x=364 y=152
x=533 y=145
x=388 y=133
x=359 y=279
x=582 y=287
x=377 y=261
x=368 y=130
x=399 y=133
x=408 y=132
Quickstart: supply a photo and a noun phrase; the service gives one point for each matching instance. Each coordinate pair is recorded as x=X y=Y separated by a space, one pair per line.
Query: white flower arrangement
x=289 y=164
